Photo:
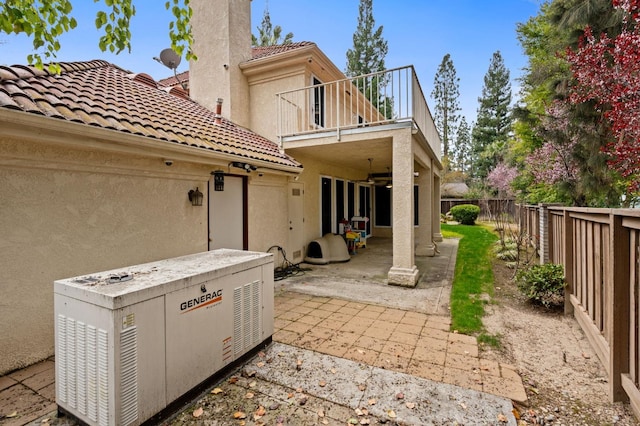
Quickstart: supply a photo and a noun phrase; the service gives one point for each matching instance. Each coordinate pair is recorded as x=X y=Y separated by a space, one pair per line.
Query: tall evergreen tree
x=446 y=91
x=268 y=35
x=369 y=47
x=493 y=125
x=462 y=151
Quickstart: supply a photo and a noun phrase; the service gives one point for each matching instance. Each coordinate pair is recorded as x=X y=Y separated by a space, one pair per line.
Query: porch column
x=437 y=231
x=424 y=240
x=404 y=271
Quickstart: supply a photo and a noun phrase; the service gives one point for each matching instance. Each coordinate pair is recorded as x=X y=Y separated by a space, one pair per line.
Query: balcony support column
x=424 y=238
x=404 y=271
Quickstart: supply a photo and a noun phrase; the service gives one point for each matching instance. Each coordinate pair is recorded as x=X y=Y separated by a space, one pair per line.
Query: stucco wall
x=65 y=213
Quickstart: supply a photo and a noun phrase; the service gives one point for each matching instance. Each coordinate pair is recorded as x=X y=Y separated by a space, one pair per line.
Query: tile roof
x=103 y=95
x=258 y=52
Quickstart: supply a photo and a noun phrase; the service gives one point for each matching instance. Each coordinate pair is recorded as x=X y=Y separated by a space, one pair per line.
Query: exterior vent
x=129 y=375
x=247 y=318
x=143 y=78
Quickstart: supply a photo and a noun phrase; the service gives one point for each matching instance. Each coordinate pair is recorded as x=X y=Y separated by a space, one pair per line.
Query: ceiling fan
x=377 y=178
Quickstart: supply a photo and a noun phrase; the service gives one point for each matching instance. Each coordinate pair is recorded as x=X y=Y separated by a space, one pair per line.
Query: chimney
x=222 y=41
x=218 y=115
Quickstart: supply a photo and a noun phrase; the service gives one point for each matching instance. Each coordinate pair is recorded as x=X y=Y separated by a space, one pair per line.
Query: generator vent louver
x=247 y=316
x=82 y=365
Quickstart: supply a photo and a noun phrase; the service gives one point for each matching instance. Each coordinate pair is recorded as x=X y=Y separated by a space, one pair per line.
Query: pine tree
x=268 y=34
x=493 y=125
x=369 y=48
x=462 y=151
x=445 y=93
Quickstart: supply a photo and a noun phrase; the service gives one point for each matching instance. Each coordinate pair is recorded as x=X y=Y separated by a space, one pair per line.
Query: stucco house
x=98 y=165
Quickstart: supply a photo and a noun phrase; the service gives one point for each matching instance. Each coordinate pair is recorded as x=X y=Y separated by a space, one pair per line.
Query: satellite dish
x=170 y=59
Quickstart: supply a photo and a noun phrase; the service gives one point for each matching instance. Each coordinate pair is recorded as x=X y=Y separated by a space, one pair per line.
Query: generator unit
x=131 y=341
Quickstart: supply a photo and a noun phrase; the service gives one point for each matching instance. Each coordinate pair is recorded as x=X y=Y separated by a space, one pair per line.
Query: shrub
x=543 y=284
x=466 y=214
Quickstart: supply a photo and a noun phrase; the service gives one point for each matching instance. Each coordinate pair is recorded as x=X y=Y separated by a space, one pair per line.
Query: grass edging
x=473 y=276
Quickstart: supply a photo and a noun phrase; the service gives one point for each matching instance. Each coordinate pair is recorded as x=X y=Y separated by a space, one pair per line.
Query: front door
x=228 y=215
x=296 y=222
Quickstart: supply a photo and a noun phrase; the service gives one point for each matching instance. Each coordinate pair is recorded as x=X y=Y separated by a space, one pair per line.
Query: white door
x=296 y=222
x=227 y=214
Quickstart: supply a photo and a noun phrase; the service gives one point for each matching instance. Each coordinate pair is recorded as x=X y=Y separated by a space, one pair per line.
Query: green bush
x=466 y=214
x=543 y=284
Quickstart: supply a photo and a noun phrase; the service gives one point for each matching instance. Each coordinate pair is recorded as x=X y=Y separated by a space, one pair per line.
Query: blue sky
x=419 y=33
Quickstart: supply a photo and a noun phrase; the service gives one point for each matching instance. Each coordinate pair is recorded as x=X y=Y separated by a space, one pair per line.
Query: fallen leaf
x=364 y=421
x=322 y=383
x=253 y=384
x=290 y=395
x=362 y=387
x=359 y=412
x=586 y=356
x=242 y=423
x=249 y=395
x=325 y=422
x=250 y=373
x=299 y=364
x=365 y=411
x=260 y=412
x=320 y=413
x=502 y=418
x=261 y=354
x=333 y=370
x=303 y=400
x=391 y=414
x=233 y=380
x=516 y=413
x=197 y=413
x=352 y=421
x=361 y=351
x=399 y=395
x=372 y=401
x=239 y=415
x=410 y=405
x=14 y=414
x=464 y=407
x=274 y=406
x=298 y=390
x=217 y=391
x=260 y=364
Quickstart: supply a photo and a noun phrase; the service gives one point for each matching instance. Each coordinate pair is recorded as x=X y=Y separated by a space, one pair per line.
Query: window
x=416 y=216
x=382 y=206
x=325 y=192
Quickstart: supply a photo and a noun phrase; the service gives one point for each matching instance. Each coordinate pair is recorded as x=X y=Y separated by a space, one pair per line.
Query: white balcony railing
x=388 y=97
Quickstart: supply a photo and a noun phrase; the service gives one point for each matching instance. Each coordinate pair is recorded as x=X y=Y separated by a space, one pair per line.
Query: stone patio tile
x=338 y=302
x=505 y=387
x=438 y=323
x=375 y=308
x=284 y=306
x=509 y=372
x=310 y=342
x=462 y=362
x=285 y=336
x=279 y=323
x=41 y=380
x=489 y=367
x=463 y=349
x=356 y=305
x=320 y=299
x=464 y=378
x=49 y=392
x=381 y=334
x=321 y=332
x=409 y=328
x=302 y=309
x=372 y=343
x=429 y=355
x=290 y=316
x=392 y=315
x=345 y=337
x=32 y=370
x=331 y=323
x=28 y=405
x=341 y=317
x=398 y=349
x=6 y=381
x=330 y=347
x=354 y=327
x=426 y=370
x=310 y=304
x=432 y=343
x=415 y=316
x=462 y=338
x=328 y=307
x=348 y=310
x=392 y=362
x=366 y=313
x=363 y=355
x=434 y=333
x=298 y=327
x=310 y=319
x=362 y=321
x=320 y=313
x=400 y=337
x=384 y=325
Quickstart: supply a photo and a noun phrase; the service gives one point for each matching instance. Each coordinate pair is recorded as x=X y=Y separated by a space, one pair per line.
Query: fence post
x=619 y=317
x=567 y=236
x=544 y=234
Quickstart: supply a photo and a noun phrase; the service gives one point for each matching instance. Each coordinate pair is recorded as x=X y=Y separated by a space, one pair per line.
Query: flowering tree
x=607 y=71
x=501 y=178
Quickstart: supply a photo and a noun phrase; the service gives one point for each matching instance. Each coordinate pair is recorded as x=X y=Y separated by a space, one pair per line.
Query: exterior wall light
x=195 y=196
x=218 y=180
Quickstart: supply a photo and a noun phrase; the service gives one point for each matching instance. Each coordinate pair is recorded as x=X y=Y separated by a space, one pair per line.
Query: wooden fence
x=600 y=252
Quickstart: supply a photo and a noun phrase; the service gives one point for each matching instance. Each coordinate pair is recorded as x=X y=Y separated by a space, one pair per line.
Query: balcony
x=378 y=101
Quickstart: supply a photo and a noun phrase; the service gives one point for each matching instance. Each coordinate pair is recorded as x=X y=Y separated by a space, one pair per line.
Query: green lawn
x=473 y=276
